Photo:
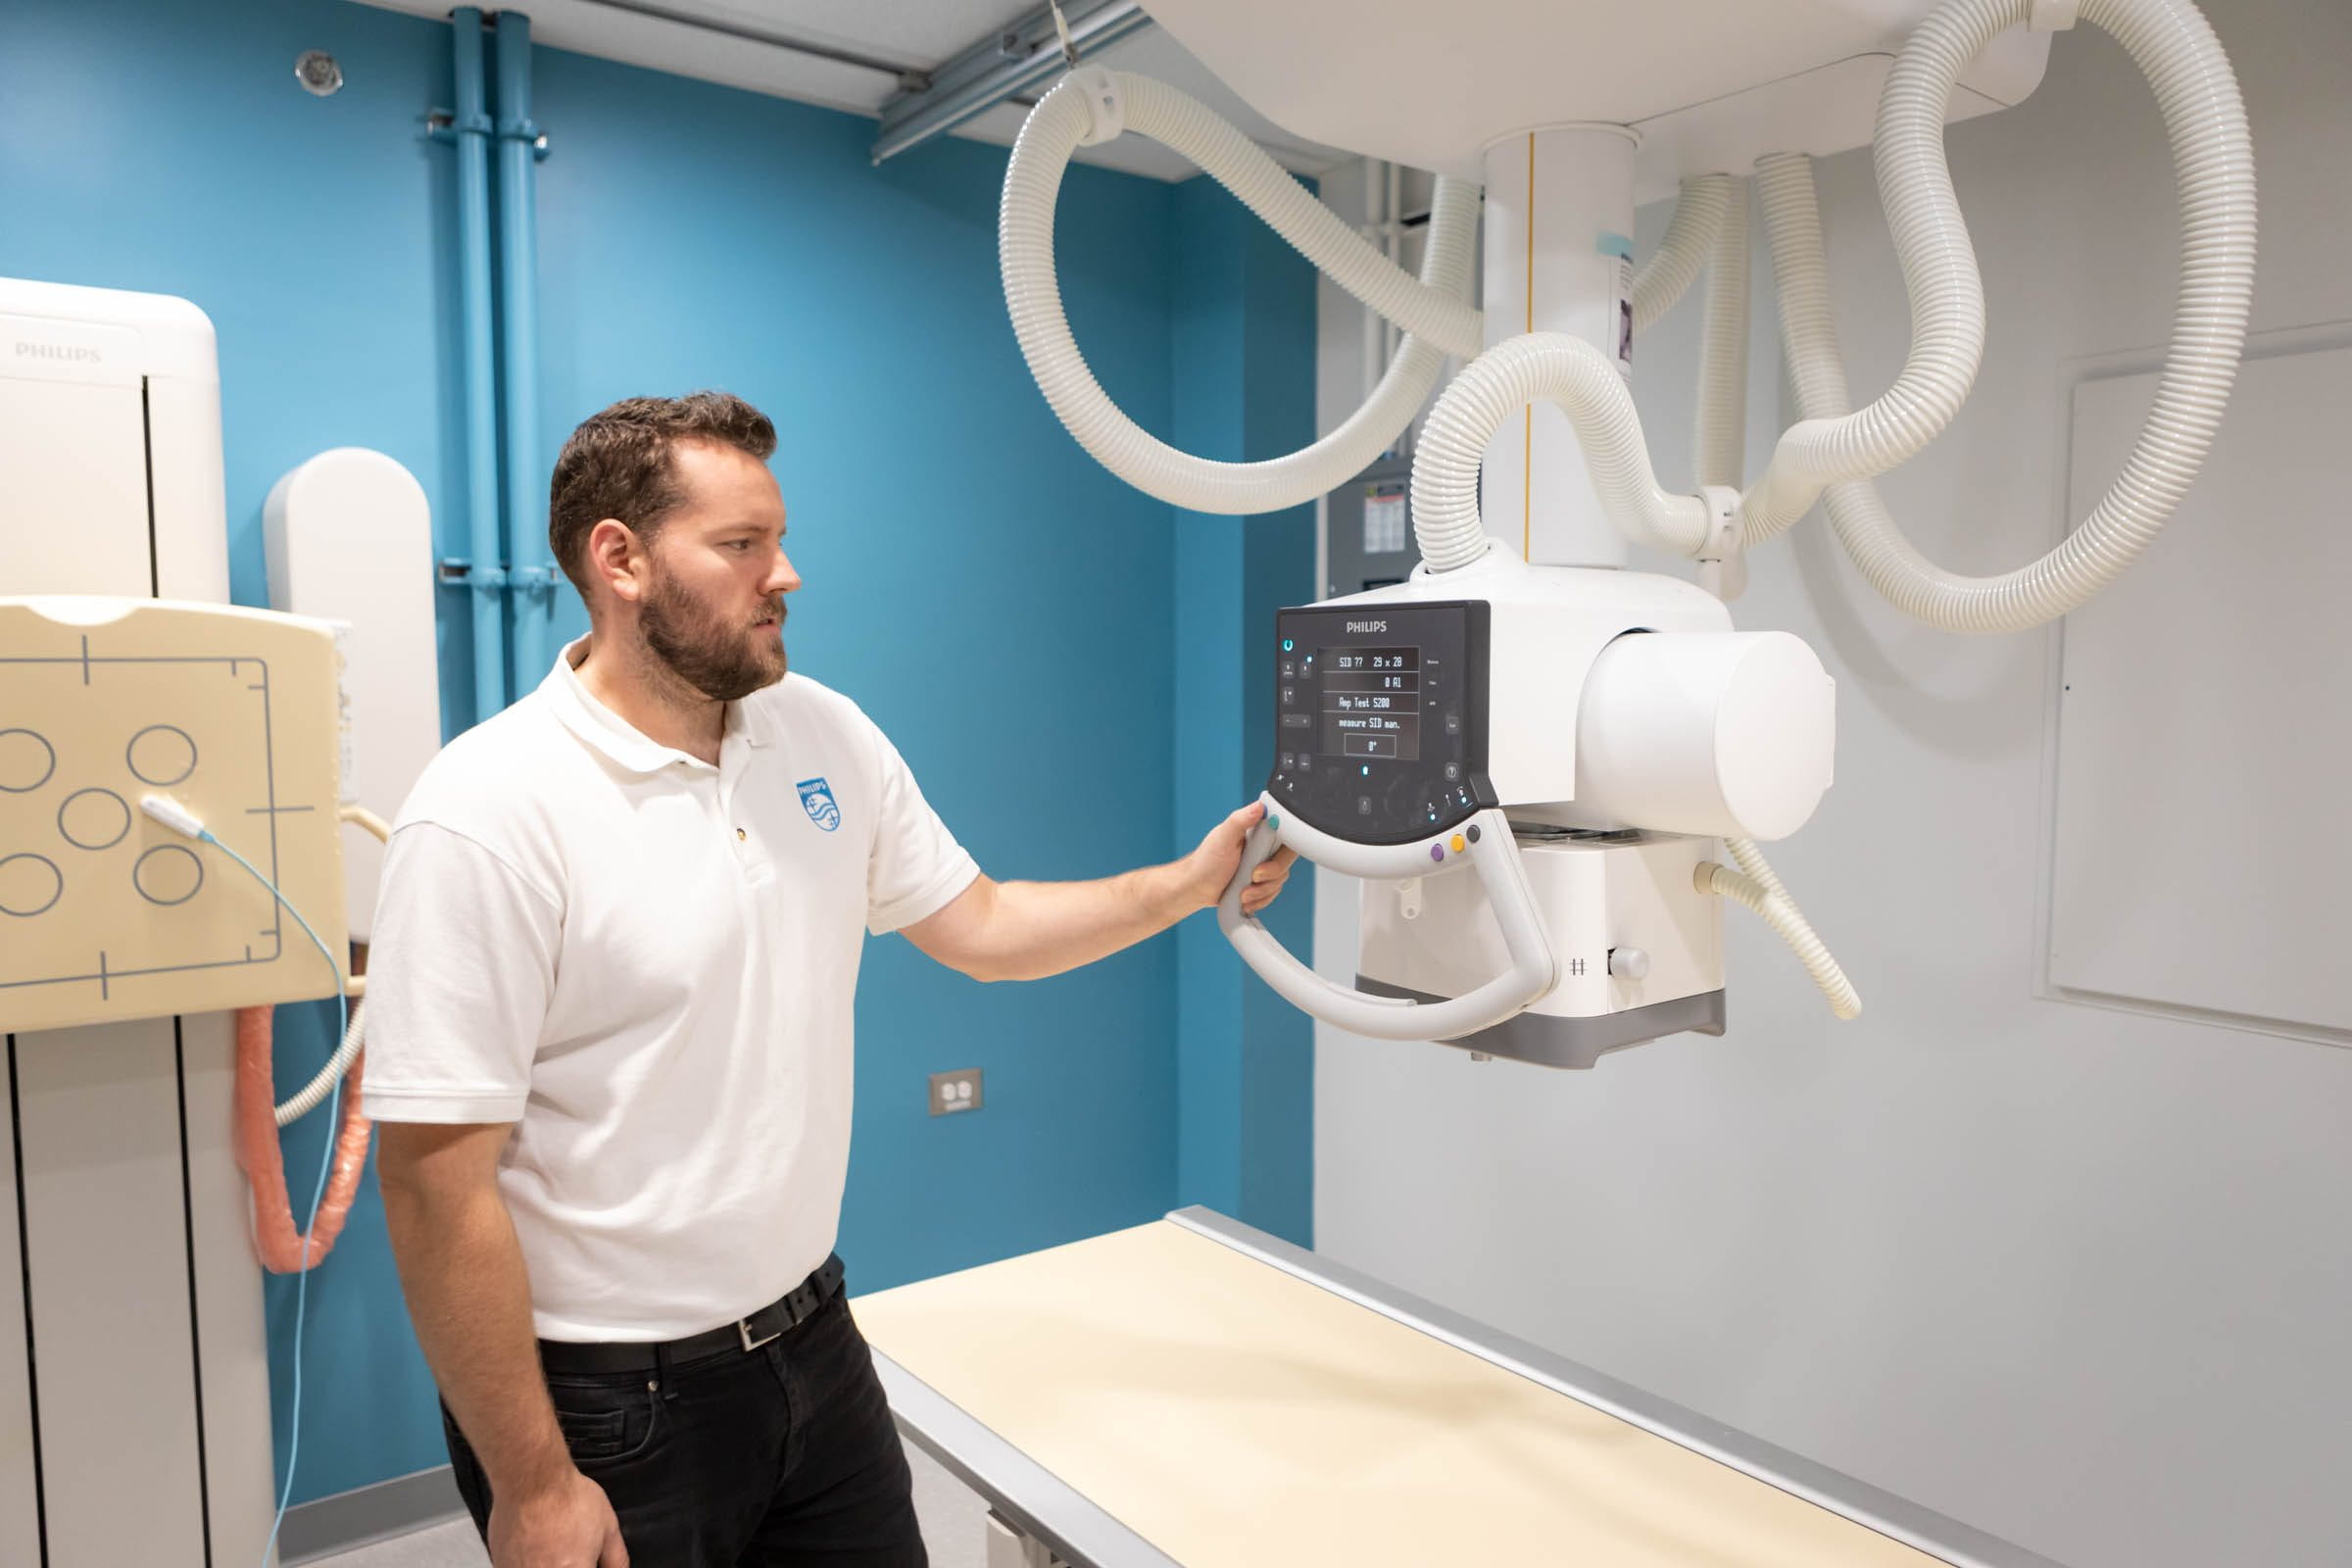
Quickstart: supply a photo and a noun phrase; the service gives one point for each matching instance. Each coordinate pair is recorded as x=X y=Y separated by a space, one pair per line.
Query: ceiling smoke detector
x=317 y=73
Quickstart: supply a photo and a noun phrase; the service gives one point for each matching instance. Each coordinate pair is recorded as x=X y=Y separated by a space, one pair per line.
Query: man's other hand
x=566 y=1524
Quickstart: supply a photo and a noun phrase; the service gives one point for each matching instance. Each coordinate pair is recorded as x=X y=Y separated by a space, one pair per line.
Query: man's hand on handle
x=1209 y=868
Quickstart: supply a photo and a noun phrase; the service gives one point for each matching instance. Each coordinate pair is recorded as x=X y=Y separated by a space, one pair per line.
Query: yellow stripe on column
x=1527 y=465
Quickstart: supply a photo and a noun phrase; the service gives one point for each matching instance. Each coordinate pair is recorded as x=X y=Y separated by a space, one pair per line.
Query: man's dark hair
x=618 y=464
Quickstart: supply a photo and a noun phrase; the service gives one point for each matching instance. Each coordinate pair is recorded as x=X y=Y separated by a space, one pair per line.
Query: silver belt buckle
x=743 y=1329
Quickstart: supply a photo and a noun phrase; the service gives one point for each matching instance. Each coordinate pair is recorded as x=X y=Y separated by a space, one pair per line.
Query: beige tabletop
x=1232 y=1413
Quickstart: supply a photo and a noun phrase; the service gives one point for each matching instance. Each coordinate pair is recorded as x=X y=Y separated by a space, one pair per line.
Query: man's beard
x=721 y=660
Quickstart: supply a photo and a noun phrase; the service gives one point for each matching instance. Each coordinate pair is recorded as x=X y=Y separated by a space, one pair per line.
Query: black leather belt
x=770 y=1322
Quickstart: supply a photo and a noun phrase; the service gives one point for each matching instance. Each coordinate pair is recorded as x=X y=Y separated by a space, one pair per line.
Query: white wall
x=2082 y=1277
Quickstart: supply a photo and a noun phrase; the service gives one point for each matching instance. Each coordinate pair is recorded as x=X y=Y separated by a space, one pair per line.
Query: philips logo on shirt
x=818 y=796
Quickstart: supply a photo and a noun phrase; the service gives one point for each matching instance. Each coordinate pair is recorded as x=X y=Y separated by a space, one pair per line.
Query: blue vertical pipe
x=486 y=576
x=519 y=350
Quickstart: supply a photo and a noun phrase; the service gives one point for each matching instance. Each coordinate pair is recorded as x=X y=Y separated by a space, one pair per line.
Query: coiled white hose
x=1430 y=308
x=322 y=1083
x=1691 y=237
x=2213 y=160
x=1584 y=383
x=1760 y=890
x=1939 y=275
x=1721 y=439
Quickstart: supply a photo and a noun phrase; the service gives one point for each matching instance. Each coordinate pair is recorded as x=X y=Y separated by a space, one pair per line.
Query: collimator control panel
x=1381 y=718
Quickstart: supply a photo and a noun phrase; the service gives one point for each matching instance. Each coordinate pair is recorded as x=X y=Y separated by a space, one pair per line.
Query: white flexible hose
x=1033 y=294
x=1857 y=515
x=1584 y=383
x=2213 y=160
x=1939 y=275
x=314 y=1094
x=322 y=1083
x=1691 y=239
x=359 y=816
x=1721 y=436
x=1183 y=124
x=1761 y=891
x=1808 y=335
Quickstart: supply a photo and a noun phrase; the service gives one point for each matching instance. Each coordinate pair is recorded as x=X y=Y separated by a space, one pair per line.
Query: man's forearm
x=469 y=1299
x=1045 y=929
x=1028 y=930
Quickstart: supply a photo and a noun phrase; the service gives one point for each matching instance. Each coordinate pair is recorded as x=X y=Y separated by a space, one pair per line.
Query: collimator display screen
x=1371 y=703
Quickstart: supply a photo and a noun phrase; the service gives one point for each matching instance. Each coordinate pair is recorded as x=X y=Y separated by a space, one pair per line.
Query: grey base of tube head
x=1575 y=1043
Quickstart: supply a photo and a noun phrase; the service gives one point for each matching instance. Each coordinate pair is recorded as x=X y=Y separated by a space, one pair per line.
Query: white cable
x=322 y=1083
x=1761 y=891
x=2213 y=160
x=1690 y=238
x=180 y=820
x=1584 y=383
x=1430 y=308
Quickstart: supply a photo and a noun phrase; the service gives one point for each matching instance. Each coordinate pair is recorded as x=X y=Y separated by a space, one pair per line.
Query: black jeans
x=782 y=1456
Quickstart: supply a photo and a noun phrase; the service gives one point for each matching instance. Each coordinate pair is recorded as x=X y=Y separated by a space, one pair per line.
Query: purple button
x=1437 y=852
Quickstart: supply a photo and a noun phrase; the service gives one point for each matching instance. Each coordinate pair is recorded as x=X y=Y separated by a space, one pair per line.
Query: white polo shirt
x=648 y=965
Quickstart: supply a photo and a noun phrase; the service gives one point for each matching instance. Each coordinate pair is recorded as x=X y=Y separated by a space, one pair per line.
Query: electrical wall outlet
x=955 y=1091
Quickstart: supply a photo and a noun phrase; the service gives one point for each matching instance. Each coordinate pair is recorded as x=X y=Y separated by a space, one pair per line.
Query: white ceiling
x=729 y=41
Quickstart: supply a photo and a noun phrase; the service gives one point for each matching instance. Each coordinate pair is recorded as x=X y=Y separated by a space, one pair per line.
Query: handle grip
x=1492 y=849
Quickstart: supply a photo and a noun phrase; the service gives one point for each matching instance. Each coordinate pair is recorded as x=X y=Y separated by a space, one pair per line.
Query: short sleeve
x=459 y=978
x=916 y=868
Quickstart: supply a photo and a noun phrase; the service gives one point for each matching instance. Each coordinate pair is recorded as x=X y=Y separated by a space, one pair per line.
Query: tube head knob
x=1629 y=963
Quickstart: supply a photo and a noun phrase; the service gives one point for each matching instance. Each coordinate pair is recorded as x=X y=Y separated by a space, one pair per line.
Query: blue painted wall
x=1243 y=313
x=999 y=603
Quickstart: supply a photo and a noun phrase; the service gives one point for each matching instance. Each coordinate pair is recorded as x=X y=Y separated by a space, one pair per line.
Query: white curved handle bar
x=1533 y=971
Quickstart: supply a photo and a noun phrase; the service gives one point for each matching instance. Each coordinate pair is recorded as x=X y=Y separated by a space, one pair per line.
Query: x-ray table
x=1194 y=1394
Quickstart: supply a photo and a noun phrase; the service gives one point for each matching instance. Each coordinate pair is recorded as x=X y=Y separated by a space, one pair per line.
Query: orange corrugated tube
x=282 y=1249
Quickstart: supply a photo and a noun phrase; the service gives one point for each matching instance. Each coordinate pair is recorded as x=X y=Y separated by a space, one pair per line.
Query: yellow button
x=738 y=835
x=1457 y=844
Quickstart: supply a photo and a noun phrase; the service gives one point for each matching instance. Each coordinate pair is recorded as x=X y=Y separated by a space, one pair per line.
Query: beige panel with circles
x=107 y=914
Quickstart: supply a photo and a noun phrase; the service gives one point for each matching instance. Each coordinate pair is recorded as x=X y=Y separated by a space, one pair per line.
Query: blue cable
x=302 y=1281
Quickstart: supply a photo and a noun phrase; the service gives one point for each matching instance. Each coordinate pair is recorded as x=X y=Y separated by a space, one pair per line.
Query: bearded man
x=608 y=1035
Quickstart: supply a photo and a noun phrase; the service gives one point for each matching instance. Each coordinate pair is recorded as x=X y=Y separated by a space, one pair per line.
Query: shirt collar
x=614 y=736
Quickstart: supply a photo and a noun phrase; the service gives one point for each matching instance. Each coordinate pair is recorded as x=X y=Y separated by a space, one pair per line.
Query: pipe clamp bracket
x=1727 y=523
x=1105 y=107
x=1723 y=558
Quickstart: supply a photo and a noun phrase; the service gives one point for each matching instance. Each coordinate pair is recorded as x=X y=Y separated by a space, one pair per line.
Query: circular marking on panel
x=94 y=819
x=168 y=874
x=29 y=884
x=160 y=754
x=27 y=760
